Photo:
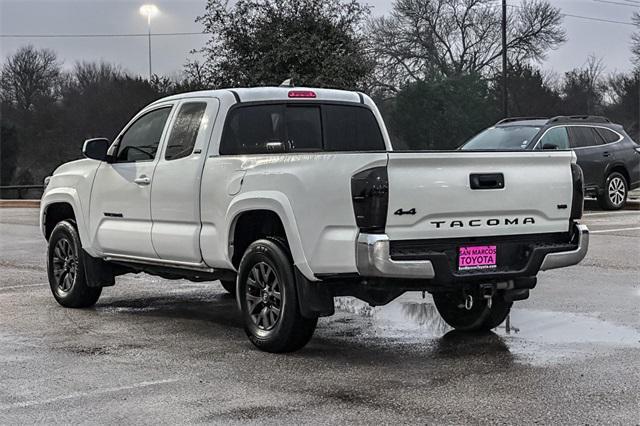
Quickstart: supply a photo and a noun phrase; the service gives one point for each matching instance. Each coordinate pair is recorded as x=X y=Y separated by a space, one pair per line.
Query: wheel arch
x=275 y=209
x=620 y=168
x=60 y=204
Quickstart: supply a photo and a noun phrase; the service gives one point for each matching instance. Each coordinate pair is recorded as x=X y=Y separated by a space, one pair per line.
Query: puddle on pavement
x=533 y=336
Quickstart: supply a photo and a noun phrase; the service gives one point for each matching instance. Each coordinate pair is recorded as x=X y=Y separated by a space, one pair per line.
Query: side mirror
x=96 y=149
x=549 y=146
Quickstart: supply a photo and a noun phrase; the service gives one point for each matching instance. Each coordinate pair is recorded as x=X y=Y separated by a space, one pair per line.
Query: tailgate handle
x=486 y=180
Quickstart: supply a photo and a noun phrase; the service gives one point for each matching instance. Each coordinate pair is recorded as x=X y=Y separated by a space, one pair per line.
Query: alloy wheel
x=65 y=264
x=264 y=296
x=617 y=191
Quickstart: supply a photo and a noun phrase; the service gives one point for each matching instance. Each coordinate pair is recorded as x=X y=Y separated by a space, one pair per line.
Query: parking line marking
x=614 y=230
x=22 y=286
x=75 y=395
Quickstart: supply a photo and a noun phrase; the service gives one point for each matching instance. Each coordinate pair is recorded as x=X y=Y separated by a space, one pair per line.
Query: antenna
x=287 y=83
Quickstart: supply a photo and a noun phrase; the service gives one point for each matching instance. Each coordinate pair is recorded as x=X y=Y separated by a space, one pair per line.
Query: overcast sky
x=609 y=41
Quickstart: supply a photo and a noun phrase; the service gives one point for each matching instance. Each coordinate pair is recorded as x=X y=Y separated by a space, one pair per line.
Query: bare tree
x=29 y=77
x=635 y=39
x=585 y=89
x=88 y=74
x=422 y=38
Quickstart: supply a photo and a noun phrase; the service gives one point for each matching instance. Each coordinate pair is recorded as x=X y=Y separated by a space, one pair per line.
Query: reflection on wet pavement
x=532 y=336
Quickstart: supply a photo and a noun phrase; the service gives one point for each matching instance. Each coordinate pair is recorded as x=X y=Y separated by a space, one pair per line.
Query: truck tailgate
x=431 y=194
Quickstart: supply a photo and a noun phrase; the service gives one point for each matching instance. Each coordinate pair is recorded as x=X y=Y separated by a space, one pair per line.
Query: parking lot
x=158 y=351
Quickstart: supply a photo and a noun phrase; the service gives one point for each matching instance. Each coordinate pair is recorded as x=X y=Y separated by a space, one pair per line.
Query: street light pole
x=149 y=10
x=149 y=38
x=505 y=99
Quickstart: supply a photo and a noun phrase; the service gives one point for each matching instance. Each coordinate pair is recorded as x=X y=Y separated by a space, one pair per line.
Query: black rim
x=65 y=264
x=264 y=296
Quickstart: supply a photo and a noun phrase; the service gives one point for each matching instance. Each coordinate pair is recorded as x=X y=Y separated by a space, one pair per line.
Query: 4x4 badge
x=400 y=212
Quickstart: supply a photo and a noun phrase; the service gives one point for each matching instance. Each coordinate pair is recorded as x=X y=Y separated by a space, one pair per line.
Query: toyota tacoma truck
x=293 y=196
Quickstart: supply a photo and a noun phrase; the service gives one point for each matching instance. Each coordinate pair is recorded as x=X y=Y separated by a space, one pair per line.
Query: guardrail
x=20 y=192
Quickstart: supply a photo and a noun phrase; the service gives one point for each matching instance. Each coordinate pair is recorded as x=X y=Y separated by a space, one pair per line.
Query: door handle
x=605 y=154
x=143 y=180
x=486 y=180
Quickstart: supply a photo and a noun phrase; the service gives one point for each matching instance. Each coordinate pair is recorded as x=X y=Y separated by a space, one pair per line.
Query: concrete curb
x=19 y=203
x=632 y=205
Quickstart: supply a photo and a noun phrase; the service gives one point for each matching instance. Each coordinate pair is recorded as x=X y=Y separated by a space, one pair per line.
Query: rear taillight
x=370 y=196
x=577 y=202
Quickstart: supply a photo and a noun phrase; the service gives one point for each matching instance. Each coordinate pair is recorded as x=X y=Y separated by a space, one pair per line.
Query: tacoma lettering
x=487 y=222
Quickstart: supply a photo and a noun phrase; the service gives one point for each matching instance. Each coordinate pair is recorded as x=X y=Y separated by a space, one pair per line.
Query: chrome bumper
x=568 y=258
x=374 y=260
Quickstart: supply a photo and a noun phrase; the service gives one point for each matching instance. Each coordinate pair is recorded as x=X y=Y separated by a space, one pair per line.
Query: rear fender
x=278 y=203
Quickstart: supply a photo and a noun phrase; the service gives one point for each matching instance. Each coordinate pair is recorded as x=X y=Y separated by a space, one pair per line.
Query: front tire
x=65 y=268
x=615 y=191
x=268 y=299
x=480 y=317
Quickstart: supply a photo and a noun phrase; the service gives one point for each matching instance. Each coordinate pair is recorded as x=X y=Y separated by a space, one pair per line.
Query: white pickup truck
x=292 y=196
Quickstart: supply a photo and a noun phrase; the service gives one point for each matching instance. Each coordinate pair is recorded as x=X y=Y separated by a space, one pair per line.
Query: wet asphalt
x=156 y=351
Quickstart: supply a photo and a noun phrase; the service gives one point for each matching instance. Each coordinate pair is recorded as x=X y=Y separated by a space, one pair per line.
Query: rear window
x=349 y=128
x=303 y=128
x=502 y=138
x=261 y=129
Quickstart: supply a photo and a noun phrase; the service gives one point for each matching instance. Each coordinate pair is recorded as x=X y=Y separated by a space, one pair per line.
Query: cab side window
x=583 y=136
x=185 y=130
x=557 y=137
x=140 y=141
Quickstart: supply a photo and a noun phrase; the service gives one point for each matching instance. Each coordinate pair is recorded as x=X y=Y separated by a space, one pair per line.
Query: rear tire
x=615 y=191
x=268 y=299
x=479 y=318
x=65 y=268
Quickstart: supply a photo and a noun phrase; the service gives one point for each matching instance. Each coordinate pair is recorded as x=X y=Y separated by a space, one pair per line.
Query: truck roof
x=256 y=94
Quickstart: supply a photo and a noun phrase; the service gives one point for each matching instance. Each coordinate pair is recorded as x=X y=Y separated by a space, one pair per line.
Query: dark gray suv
x=609 y=158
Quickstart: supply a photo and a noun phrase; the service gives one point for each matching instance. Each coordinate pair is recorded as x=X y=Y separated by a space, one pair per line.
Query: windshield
x=502 y=138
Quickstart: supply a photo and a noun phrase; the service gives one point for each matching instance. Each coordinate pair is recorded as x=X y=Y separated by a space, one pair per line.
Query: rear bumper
x=568 y=258
x=374 y=259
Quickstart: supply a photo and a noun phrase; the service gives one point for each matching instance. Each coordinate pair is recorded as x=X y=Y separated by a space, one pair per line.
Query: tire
x=65 y=268
x=479 y=318
x=615 y=191
x=229 y=286
x=268 y=299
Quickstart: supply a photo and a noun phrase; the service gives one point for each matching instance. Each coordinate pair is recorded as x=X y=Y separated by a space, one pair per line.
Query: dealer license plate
x=477 y=257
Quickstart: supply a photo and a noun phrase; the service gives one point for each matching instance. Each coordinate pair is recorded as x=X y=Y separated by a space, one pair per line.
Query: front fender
x=68 y=196
x=278 y=203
